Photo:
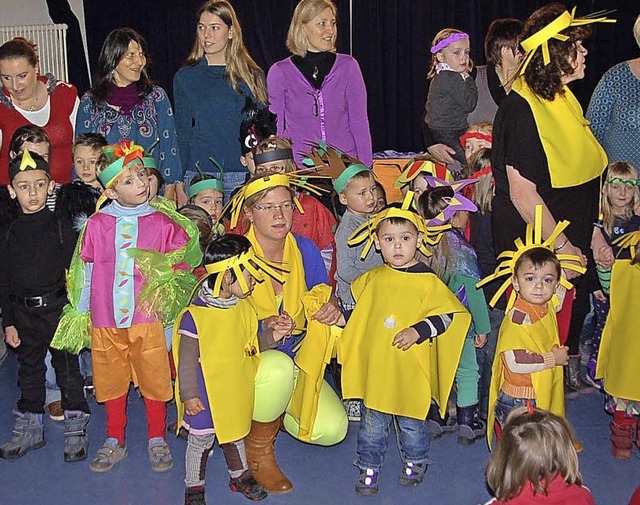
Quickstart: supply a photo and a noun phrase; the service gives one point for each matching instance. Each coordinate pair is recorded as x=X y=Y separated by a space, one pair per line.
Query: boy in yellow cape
x=390 y=356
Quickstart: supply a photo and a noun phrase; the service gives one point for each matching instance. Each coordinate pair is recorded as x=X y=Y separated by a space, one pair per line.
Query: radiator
x=51 y=44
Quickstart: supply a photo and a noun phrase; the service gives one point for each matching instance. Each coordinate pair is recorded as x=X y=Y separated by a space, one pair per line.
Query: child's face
x=381 y=202
x=247 y=161
x=620 y=195
x=456 y=55
x=535 y=285
x=131 y=188
x=210 y=200
x=419 y=186
x=31 y=188
x=360 y=196
x=41 y=148
x=84 y=159
x=460 y=220
x=472 y=146
x=277 y=166
x=235 y=288
x=398 y=243
x=153 y=185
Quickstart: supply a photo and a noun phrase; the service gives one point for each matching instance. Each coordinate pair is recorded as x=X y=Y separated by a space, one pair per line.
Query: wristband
x=556 y=249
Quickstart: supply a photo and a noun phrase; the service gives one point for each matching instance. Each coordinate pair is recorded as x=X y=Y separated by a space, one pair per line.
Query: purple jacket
x=335 y=113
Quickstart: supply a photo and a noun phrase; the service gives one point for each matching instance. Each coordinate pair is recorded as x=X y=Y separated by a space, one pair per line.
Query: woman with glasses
x=316 y=93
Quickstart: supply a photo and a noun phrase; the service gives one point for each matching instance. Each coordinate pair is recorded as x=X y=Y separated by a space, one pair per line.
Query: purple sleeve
x=188 y=325
x=356 y=94
x=276 y=87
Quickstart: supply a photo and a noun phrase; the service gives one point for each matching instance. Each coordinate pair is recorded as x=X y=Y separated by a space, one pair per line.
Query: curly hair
x=546 y=80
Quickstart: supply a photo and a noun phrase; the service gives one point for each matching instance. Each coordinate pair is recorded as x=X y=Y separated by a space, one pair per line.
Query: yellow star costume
x=620 y=345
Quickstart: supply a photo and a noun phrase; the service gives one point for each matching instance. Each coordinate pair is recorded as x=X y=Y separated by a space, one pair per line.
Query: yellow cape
x=573 y=153
x=229 y=356
x=312 y=358
x=386 y=378
x=620 y=346
x=539 y=338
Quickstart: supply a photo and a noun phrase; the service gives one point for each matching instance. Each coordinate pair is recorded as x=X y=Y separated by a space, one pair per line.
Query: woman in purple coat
x=317 y=93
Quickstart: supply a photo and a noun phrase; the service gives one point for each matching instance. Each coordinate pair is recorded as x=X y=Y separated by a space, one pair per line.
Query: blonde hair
x=304 y=12
x=484 y=127
x=484 y=189
x=240 y=65
x=535 y=447
x=636 y=30
x=623 y=170
x=273 y=143
x=440 y=36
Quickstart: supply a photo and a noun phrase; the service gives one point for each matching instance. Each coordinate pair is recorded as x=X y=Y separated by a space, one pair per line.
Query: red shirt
x=560 y=493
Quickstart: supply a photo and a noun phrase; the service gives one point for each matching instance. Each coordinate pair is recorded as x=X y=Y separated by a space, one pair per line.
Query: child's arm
x=430 y=328
x=274 y=329
x=463 y=90
x=188 y=359
x=522 y=361
x=478 y=309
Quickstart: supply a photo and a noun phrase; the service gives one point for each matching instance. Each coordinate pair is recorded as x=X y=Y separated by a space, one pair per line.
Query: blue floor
x=320 y=475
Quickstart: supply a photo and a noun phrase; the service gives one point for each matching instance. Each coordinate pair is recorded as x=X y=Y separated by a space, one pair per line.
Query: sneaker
x=412 y=474
x=159 y=455
x=55 y=411
x=88 y=388
x=367 y=483
x=248 y=486
x=353 y=409
x=108 y=455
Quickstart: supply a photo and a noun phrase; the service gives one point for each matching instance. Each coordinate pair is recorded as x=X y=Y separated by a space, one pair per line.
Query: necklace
x=32 y=97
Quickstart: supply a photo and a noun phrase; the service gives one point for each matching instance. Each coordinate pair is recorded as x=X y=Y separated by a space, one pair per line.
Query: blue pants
x=484 y=357
x=373 y=439
x=506 y=404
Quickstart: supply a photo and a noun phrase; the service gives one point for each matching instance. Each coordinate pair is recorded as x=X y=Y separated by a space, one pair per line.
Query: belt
x=39 y=301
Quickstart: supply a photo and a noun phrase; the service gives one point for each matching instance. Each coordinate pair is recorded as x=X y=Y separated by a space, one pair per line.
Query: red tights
x=117 y=418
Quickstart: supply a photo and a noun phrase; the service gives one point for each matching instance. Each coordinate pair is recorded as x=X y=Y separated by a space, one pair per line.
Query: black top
x=495 y=86
x=315 y=66
x=516 y=142
x=34 y=252
x=482 y=241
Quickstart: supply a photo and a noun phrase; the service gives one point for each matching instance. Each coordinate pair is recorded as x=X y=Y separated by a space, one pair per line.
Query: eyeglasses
x=286 y=206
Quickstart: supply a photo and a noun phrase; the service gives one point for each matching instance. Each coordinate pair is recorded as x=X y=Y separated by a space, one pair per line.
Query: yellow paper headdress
x=629 y=240
x=298 y=178
x=533 y=240
x=552 y=31
x=328 y=161
x=248 y=260
x=431 y=235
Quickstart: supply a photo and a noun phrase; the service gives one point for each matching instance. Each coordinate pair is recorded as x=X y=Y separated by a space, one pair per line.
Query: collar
x=117 y=210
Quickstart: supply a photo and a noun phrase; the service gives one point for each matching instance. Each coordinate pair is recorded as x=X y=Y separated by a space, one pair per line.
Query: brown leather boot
x=260 y=458
x=621 y=440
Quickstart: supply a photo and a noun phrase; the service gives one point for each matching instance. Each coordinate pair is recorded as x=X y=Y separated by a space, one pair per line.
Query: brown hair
x=28 y=133
x=19 y=47
x=240 y=65
x=484 y=189
x=620 y=169
x=304 y=12
x=539 y=256
x=546 y=80
x=501 y=33
x=440 y=36
x=95 y=141
x=535 y=447
x=430 y=204
x=202 y=220
x=359 y=176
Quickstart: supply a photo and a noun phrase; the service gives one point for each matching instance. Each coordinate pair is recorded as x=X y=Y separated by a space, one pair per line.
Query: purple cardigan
x=335 y=113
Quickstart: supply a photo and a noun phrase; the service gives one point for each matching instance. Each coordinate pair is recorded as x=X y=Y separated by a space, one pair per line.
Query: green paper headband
x=346 y=176
x=618 y=180
x=214 y=183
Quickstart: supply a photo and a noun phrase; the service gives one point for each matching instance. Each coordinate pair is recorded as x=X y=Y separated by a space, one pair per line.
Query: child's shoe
x=108 y=455
x=194 y=496
x=470 y=428
x=367 y=483
x=160 y=455
x=28 y=433
x=248 y=486
x=437 y=426
x=76 y=442
x=412 y=474
x=55 y=411
x=621 y=441
x=353 y=410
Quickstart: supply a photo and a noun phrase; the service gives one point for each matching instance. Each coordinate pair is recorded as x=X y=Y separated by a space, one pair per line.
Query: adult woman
x=124 y=104
x=268 y=203
x=559 y=170
x=318 y=94
x=614 y=110
x=29 y=98
x=211 y=90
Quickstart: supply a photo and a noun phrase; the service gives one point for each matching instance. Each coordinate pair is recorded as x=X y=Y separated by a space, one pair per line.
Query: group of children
x=152 y=290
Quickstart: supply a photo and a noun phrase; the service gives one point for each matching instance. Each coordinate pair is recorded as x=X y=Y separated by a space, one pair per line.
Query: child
x=207 y=191
x=127 y=343
x=87 y=150
x=535 y=462
x=413 y=175
x=453 y=94
x=259 y=123
x=221 y=321
x=399 y=304
x=35 y=250
x=478 y=136
x=381 y=201
x=456 y=263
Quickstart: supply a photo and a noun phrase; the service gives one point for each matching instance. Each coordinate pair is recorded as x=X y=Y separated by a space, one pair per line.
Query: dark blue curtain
x=390 y=41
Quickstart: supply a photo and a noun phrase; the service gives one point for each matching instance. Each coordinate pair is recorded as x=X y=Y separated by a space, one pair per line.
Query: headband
x=619 y=180
x=416 y=167
x=121 y=157
x=552 y=31
x=248 y=260
x=27 y=161
x=216 y=183
x=454 y=37
x=366 y=232
x=458 y=202
x=275 y=155
x=329 y=161
x=533 y=239
x=474 y=135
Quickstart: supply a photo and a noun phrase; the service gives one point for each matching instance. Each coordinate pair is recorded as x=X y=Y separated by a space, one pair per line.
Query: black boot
x=470 y=428
x=574 y=385
x=438 y=426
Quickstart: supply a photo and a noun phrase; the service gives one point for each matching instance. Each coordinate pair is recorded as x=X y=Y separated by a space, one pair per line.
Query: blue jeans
x=506 y=404
x=484 y=357
x=52 y=391
x=373 y=439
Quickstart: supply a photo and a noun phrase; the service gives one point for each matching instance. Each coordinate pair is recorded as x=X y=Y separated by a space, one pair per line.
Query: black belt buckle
x=34 y=302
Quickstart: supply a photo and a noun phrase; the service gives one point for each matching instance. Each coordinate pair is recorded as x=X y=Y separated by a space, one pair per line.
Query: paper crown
x=216 y=183
x=628 y=240
x=248 y=260
x=552 y=31
x=417 y=166
x=431 y=235
x=458 y=202
x=272 y=155
x=27 y=161
x=533 y=240
x=120 y=156
x=329 y=161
